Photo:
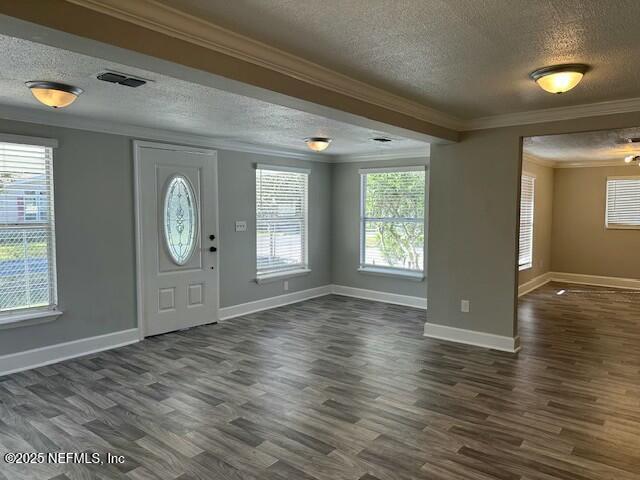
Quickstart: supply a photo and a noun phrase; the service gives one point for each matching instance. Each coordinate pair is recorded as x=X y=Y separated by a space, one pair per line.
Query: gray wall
x=473 y=219
x=93 y=174
x=345 y=227
x=236 y=173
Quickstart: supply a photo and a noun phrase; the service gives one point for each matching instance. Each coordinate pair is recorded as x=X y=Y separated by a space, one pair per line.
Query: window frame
x=615 y=226
x=32 y=315
x=528 y=265
x=383 y=270
x=272 y=275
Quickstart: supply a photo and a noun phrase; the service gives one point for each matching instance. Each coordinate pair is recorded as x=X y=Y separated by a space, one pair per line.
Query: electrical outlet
x=286 y=285
x=241 y=226
x=464 y=306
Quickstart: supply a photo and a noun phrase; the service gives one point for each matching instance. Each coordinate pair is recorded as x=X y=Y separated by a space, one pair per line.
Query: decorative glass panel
x=180 y=219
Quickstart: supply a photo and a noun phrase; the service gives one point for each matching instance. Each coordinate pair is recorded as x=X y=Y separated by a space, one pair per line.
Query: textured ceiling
x=470 y=58
x=603 y=145
x=175 y=105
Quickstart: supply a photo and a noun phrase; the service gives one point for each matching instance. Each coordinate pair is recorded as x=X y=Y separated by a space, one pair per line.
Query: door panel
x=177 y=189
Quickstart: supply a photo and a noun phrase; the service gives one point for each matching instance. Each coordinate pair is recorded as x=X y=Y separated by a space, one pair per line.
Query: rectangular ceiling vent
x=121 y=79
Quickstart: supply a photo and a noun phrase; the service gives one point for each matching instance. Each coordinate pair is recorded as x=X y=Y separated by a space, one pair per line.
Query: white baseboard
x=272 y=302
x=39 y=357
x=471 y=337
x=406 y=300
x=534 y=283
x=596 y=280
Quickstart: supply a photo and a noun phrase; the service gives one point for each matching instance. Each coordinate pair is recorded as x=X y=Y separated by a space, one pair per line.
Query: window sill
x=526 y=266
x=25 y=319
x=391 y=272
x=277 y=276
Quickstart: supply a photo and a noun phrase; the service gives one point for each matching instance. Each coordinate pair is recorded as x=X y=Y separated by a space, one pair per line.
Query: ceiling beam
x=158 y=31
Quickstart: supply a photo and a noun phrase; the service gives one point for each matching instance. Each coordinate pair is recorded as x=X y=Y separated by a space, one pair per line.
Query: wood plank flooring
x=338 y=389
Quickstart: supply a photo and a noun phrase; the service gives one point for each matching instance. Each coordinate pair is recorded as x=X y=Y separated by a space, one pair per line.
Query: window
x=180 y=219
x=27 y=244
x=527 y=201
x=623 y=202
x=281 y=219
x=392 y=210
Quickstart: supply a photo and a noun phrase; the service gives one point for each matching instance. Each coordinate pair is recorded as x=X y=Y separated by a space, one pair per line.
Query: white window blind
x=527 y=202
x=281 y=219
x=392 y=218
x=623 y=202
x=27 y=243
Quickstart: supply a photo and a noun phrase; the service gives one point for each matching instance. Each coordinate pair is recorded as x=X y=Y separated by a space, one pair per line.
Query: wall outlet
x=241 y=226
x=286 y=285
x=464 y=306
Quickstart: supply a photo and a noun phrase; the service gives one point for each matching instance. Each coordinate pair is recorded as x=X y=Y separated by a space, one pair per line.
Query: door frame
x=137 y=146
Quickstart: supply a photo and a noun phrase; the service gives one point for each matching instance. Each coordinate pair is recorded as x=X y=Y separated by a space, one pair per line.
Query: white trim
x=240 y=309
x=26 y=317
x=137 y=145
x=282 y=275
x=534 y=284
x=38 y=357
x=592 y=164
x=472 y=337
x=609 y=107
x=423 y=152
x=282 y=168
x=407 y=168
x=46 y=117
x=392 y=272
x=574 y=163
x=527 y=157
x=26 y=140
x=596 y=280
x=377 y=296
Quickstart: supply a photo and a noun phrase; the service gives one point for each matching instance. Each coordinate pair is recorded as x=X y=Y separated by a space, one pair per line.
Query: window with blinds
x=527 y=203
x=623 y=202
x=281 y=219
x=392 y=211
x=27 y=243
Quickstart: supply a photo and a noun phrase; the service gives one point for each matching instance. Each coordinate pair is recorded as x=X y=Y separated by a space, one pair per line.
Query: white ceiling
x=175 y=105
x=470 y=58
x=598 y=146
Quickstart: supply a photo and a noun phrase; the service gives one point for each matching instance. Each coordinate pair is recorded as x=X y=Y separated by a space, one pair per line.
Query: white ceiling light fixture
x=54 y=94
x=559 y=78
x=317 y=144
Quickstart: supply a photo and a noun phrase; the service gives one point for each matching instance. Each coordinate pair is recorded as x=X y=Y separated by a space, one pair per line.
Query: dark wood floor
x=337 y=388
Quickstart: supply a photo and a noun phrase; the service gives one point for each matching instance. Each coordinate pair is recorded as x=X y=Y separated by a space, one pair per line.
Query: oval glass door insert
x=180 y=219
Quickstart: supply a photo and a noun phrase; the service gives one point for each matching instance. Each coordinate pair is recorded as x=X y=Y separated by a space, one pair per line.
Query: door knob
x=213 y=249
x=212 y=237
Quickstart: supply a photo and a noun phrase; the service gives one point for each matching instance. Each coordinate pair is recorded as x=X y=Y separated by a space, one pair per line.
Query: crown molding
x=538 y=161
x=574 y=164
x=555 y=114
x=593 y=164
x=65 y=120
x=381 y=156
x=178 y=24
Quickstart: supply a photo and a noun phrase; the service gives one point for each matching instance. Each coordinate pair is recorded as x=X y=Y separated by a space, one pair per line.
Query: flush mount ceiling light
x=53 y=94
x=317 y=144
x=559 y=78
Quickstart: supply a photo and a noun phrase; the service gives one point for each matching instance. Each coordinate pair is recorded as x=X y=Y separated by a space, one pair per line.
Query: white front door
x=177 y=237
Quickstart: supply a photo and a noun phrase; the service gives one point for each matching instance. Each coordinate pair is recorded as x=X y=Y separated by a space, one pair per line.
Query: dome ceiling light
x=317 y=144
x=559 y=78
x=53 y=94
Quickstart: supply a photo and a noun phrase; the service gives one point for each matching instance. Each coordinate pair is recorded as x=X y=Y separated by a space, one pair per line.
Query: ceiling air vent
x=121 y=79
